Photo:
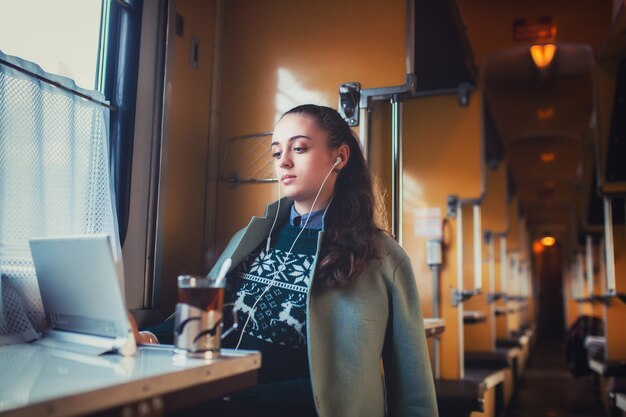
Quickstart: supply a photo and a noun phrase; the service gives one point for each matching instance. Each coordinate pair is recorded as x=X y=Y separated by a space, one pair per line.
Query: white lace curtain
x=54 y=180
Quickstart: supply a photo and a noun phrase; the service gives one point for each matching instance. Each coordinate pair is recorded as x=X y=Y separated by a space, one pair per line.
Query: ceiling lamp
x=544 y=114
x=548 y=241
x=543 y=54
x=547 y=157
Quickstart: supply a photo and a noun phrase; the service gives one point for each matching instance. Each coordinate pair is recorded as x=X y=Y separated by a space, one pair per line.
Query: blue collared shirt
x=316 y=218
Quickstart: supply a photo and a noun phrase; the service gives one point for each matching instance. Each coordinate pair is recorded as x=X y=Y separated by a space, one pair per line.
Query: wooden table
x=39 y=381
x=433 y=327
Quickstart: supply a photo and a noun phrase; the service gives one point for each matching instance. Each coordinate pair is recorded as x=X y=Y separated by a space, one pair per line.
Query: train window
x=60 y=36
x=95 y=43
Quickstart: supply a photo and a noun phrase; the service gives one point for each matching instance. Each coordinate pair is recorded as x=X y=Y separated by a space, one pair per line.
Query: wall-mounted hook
x=349 y=97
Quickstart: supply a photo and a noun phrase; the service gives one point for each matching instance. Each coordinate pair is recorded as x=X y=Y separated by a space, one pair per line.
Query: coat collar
x=258 y=229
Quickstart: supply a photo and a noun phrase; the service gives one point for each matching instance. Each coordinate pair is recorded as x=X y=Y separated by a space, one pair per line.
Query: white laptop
x=81 y=295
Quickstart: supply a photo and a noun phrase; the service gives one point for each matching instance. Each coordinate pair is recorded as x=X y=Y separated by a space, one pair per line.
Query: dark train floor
x=548 y=388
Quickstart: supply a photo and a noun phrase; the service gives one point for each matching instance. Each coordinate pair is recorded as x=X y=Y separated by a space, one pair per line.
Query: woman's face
x=302 y=160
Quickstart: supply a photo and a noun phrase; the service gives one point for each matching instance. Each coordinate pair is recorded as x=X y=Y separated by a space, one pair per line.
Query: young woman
x=322 y=292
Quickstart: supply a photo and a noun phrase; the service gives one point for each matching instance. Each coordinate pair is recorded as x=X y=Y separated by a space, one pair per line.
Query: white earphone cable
x=281 y=267
x=269 y=237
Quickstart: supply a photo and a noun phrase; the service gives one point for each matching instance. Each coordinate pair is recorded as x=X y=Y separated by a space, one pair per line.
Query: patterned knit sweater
x=269 y=291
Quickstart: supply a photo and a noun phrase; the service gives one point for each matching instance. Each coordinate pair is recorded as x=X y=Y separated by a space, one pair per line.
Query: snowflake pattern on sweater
x=280 y=315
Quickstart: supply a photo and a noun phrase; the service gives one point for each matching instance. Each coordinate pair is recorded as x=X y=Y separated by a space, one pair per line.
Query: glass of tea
x=198 y=327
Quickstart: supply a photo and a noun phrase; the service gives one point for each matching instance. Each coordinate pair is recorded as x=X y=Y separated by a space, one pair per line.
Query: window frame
x=121 y=70
x=141 y=283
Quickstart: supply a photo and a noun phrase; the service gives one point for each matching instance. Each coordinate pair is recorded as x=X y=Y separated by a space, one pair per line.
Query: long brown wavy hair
x=351 y=228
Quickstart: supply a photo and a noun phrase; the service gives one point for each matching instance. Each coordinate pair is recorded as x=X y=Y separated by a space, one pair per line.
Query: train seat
x=515 y=357
x=493 y=382
x=517 y=341
x=608 y=368
x=616 y=387
x=459 y=397
x=474 y=317
x=595 y=346
x=487 y=360
x=490 y=367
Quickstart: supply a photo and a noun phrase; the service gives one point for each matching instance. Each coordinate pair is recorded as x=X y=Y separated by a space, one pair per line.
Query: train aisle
x=549 y=389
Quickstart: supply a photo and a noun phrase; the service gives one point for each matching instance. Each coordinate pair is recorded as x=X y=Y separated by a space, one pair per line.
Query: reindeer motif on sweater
x=270 y=287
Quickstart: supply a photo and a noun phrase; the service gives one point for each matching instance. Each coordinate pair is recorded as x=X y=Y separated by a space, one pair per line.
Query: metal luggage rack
x=248 y=159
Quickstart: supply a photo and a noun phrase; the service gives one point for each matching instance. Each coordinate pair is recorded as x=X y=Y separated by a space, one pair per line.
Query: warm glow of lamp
x=544 y=114
x=537 y=247
x=543 y=54
x=548 y=241
x=547 y=157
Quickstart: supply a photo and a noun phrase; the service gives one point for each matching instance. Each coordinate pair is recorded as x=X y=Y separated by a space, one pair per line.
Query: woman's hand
x=146 y=338
x=143 y=337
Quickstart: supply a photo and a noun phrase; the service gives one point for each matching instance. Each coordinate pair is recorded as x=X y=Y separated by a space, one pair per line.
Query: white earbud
x=338 y=161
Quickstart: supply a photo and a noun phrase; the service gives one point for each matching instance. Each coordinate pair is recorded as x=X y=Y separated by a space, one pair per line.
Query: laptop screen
x=79 y=286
